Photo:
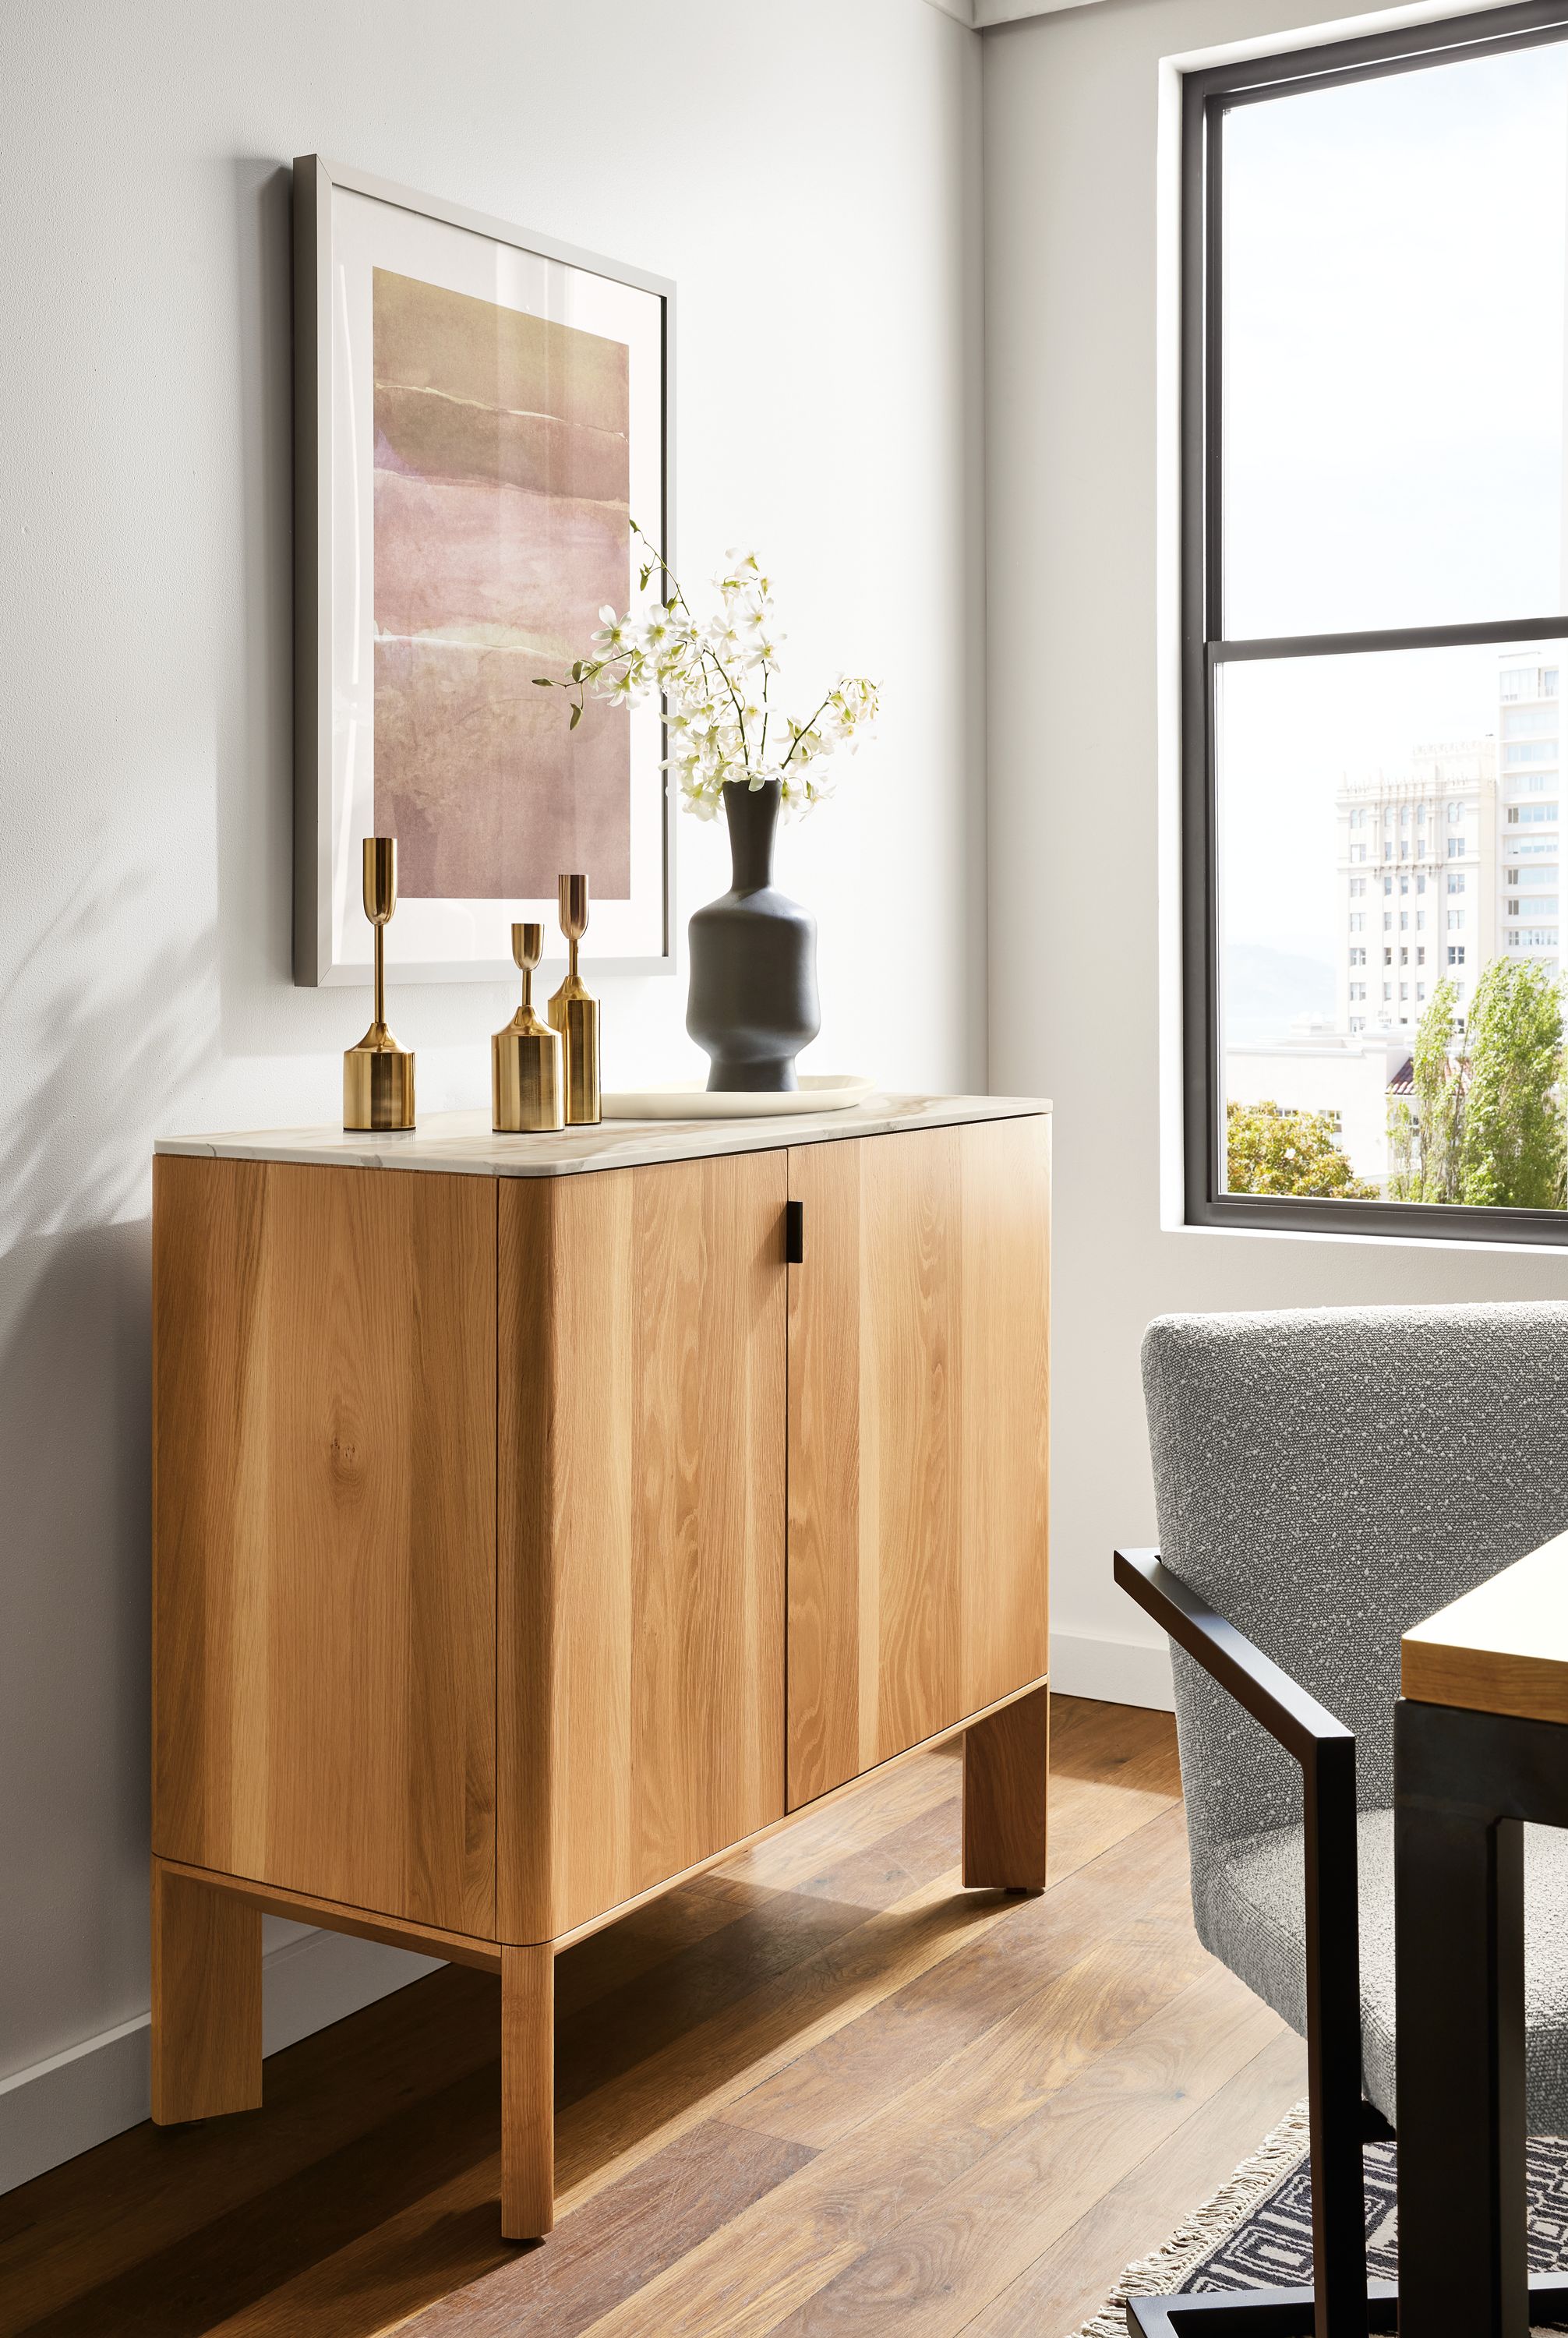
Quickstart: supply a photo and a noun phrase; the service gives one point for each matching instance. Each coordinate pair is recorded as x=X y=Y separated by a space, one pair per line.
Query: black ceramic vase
x=752 y=1005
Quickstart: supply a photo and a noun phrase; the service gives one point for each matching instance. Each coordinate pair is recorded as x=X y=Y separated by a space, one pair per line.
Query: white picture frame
x=348 y=225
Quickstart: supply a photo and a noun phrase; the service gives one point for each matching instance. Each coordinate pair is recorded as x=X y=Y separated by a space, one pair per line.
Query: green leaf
x=576 y=718
x=576 y=669
x=543 y=682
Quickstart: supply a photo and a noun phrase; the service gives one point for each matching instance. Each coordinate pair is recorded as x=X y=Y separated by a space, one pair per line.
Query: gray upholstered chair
x=1324 y=1479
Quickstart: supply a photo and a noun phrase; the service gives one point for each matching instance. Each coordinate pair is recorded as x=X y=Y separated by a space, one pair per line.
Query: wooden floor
x=820 y=2090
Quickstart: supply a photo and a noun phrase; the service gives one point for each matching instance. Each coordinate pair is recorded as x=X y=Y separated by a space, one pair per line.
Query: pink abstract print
x=501 y=488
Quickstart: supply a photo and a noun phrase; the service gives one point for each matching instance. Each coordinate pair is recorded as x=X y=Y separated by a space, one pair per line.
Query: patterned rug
x=1257 y=2231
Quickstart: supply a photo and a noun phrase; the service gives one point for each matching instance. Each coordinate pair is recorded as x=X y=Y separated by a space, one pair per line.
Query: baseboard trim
x=70 y=2101
x=1111 y=1670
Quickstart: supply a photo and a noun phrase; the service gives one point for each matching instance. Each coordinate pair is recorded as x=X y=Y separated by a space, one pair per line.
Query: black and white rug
x=1257 y=2231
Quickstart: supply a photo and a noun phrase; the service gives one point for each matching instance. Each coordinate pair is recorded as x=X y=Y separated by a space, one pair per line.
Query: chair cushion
x=1250 y=1904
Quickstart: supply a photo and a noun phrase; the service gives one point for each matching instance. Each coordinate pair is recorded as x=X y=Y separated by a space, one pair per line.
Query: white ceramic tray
x=688 y=1100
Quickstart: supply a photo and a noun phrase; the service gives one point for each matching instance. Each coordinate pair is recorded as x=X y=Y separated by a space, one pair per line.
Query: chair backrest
x=1326 y=1478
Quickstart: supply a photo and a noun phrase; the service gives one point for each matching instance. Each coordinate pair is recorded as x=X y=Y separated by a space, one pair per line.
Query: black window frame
x=1207 y=97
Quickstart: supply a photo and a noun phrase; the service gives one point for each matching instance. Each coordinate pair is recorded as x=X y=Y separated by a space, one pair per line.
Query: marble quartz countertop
x=465 y=1142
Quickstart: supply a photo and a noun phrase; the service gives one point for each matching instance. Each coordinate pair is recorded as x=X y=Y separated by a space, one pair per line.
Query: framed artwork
x=479 y=413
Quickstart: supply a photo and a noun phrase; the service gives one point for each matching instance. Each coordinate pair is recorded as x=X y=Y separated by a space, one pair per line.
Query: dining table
x=1480 y=1750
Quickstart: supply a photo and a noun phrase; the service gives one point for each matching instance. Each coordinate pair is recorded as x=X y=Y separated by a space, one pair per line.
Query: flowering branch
x=715 y=680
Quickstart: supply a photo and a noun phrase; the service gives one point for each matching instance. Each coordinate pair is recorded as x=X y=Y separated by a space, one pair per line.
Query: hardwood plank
x=1070 y=2281
x=205 y=2002
x=974 y=2235
x=1005 y=1817
x=324 y=1532
x=917 y=1412
x=829 y=2089
x=641 y=1718
x=626 y=2237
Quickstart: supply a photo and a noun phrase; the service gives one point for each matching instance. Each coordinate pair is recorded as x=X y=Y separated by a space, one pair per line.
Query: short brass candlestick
x=378 y=1075
x=525 y=1082
x=573 y=1013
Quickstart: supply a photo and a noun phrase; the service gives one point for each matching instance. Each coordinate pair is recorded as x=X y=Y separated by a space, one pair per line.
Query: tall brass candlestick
x=378 y=1074
x=525 y=1082
x=574 y=1013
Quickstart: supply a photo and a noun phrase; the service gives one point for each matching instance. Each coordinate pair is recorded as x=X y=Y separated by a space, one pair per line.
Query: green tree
x=1512 y=1151
x=1270 y=1150
x=1426 y=1142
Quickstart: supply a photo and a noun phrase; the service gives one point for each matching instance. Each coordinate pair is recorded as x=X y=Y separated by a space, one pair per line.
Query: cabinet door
x=917 y=1439
x=324 y=1532
x=643 y=1392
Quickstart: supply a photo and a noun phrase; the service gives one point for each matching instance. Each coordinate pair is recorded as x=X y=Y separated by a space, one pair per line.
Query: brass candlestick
x=573 y=1013
x=525 y=1082
x=378 y=1075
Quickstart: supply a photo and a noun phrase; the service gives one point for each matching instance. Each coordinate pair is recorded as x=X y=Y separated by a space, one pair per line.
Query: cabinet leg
x=1005 y=1761
x=527 y=2093
x=206 y=2000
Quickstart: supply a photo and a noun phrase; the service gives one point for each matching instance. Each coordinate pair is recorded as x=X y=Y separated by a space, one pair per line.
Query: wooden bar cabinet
x=539 y=1519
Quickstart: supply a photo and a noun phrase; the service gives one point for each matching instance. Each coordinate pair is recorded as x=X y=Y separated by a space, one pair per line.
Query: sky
x=1395 y=271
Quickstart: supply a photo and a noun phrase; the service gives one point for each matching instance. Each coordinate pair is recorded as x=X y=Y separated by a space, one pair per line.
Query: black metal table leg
x=1459 y=1920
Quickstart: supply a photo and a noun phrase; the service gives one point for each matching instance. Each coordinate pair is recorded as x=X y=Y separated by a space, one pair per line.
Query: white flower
x=719 y=722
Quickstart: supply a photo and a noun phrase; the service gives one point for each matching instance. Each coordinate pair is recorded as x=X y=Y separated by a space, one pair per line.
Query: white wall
x=1080 y=663
x=808 y=173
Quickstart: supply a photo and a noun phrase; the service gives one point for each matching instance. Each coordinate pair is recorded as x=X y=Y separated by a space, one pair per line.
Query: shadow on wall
x=103 y=1037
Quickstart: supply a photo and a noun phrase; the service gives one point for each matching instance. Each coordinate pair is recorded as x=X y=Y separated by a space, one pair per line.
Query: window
x=1371 y=615
x=1528 y=682
x=1358 y=921
x=1359 y=956
x=1357 y=888
x=1357 y=990
x=1530 y=722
